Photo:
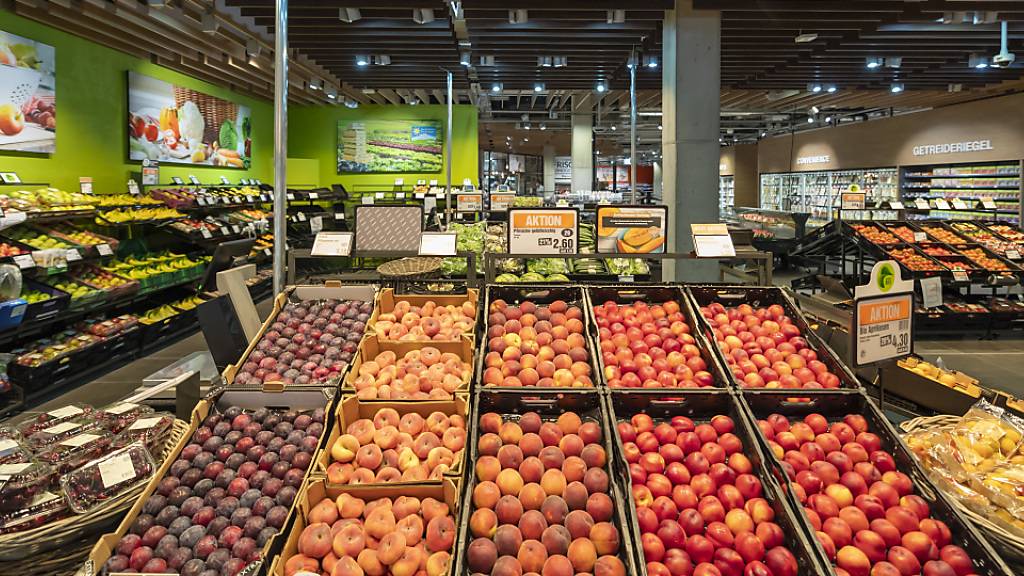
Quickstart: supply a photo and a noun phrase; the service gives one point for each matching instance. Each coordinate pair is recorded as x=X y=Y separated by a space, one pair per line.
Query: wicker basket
x=32 y=551
x=407 y=268
x=214 y=110
x=1009 y=546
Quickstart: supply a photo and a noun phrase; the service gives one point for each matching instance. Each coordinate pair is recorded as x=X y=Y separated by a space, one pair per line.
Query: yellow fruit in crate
x=947 y=379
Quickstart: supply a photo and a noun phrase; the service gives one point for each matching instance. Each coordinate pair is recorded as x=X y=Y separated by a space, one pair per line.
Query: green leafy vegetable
x=228 y=136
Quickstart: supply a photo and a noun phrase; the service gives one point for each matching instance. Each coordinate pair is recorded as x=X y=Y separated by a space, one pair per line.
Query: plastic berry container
x=44 y=508
x=21 y=482
x=107 y=477
x=149 y=430
x=71 y=453
x=46 y=437
x=121 y=415
x=38 y=422
x=12 y=452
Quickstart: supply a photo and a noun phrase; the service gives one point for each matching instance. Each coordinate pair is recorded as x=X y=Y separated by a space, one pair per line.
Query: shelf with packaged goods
x=816 y=192
x=997 y=184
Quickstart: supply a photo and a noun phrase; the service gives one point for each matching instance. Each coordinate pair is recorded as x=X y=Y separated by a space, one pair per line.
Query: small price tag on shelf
x=177 y=180
x=250 y=198
x=367 y=199
x=332 y=244
x=265 y=197
x=420 y=195
x=236 y=199
x=1013 y=254
x=931 y=291
x=133 y=187
x=921 y=204
x=313 y=196
x=301 y=216
x=236 y=228
x=988 y=204
x=206 y=233
x=201 y=201
x=258 y=182
x=896 y=205
x=316 y=224
x=10 y=177
x=379 y=195
x=920 y=237
x=339 y=215
x=421 y=182
x=104 y=250
x=959 y=204
x=960 y=276
x=193 y=179
x=225 y=231
x=291 y=196
x=267 y=252
x=399 y=182
x=85 y=185
x=941 y=204
x=73 y=255
x=24 y=261
x=400 y=195
x=224 y=180
x=433 y=183
x=626 y=278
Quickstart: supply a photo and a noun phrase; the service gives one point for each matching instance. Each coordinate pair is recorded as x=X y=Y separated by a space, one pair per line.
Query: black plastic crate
x=589 y=405
x=46 y=309
x=760 y=404
x=731 y=296
x=627 y=294
x=541 y=295
x=700 y=406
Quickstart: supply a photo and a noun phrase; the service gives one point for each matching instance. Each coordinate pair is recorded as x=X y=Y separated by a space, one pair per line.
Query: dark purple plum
x=191 y=536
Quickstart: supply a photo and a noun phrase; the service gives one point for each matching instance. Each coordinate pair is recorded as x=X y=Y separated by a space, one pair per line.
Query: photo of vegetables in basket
x=174 y=124
x=28 y=103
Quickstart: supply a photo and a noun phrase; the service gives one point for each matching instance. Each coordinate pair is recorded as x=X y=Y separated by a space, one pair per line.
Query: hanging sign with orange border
x=883 y=316
x=552 y=231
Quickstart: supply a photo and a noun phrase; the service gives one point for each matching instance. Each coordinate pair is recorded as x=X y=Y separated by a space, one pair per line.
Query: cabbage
x=506 y=279
x=191 y=123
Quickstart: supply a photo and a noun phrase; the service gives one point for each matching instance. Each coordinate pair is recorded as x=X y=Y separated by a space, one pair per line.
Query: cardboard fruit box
x=331 y=289
x=351 y=409
x=317 y=489
x=307 y=399
x=387 y=300
x=371 y=346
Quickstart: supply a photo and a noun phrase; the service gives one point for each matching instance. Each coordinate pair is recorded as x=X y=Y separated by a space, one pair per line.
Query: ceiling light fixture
x=518 y=16
x=955 y=88
x=828 y=119
x=526 y=139
x=487 y=60
x=831 y=89
x=893 y=61
x=650 y=61
x=466 y=58
x=349 y=15
x=332 y=93
x=543 y=126
x=560 y=61
x=805 y=38
x=382 y=60
x=874 y=62
x=497 y=88
x=815 y=88
x=423 y=15
x=538 y=87
x=315 y=84
x=896 y=87
x=526 y=126
x=763 y=134
x=631 y=62
x=614 y=128
x=362 y=60
x=660 y=127
x=553 y=114
x=544 y=61
x=978 y=61
x=810 y=119
x=349 y=103
x=601 y=87
x=815 y=109
x=209 y=22
x=616 y=16
x=252 y=48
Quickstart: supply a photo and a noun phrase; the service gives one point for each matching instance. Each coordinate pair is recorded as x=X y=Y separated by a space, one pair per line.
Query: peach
x=487 y=468
x=579 y=524
x=904 y=519
x=853 y=560
x=369 y=456
x=605 y=537
x=957 y=559
x=533 y=524
x=509 y=509
x=770 y=534
x=510 y=433
x=553 y=482
x=854 y=518
x=363 y=430
x=325 y=511
x=937 y=531
x=532 y=556
x=349 y=506
x=920 y=545
x=827 y=545
x=437 y=563
x=486 y=495
x=391 y=548
x=507 y=566
x=369 y=562
x=600 y=507
x=556 y=540
x=380 y=522
x=871 y=544
x=574 y=468
x=409 y=563
x=576 y=495
x=510 y=456
x=609 y=566
x=489 y=444
x=739 y=521
x=557 y=565
x=483 y=522
x=552 y=457
x=884 y=569
x=440 y=534
x=555 y=510
x=532 y=469
x=838 y=530
x=904 y=560
x=424 y=443
x=531 y=443
x=386 y=417
x=301 y=563
x=889 y=533
x=344 y=448
x=350 y=541
x=412 y=528
x=509 y=482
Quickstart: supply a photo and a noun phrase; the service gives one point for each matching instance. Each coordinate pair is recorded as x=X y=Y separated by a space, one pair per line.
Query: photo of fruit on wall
x=390 y=146
x=631 y=230
x=28 y=113
x=179 y=125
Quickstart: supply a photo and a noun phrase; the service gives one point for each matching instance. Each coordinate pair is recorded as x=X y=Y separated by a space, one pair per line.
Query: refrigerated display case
x=818 y=193
x=726 y=196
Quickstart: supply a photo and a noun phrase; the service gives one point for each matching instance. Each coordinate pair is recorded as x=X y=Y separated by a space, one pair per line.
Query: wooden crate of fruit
x=864 y=474
x=376 y=381
x=666 y=324
x=422 y=317
x=278 y=490
x=370 y=436
x=810 y=363
x=397 y=530
x=293 y=296
x=670 y=447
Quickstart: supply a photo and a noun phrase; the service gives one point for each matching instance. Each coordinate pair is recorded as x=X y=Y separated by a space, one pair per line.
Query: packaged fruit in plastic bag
x=20 y=483
x=121 y=415
x=150 y=430
x=1004 y=486
x=984 y=434
x=107 y=477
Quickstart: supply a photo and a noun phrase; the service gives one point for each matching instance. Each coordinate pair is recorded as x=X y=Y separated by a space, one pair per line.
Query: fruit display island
x=977 y=262
x=388 y=451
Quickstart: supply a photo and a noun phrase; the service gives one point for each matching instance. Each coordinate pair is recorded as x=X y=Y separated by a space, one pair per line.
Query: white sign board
x=469 y=202
x=437 y=244
x=332 y=244
x=931 y=292
x=563 y=169
x=883 y=314
x=712 y=241
x=543 y=231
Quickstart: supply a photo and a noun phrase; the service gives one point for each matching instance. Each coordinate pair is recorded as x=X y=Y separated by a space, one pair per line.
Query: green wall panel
x=312 y=133
x=92 y=112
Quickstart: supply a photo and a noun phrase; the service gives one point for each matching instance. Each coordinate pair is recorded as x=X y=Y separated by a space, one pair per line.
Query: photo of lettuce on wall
x=178 y=125
x=28 y=89
x=390 y=146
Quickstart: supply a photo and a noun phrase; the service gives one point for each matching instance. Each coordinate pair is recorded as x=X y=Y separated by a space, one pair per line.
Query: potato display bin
x=631 y=294
x=734 y=296
x=607 y=510
x=835 y=407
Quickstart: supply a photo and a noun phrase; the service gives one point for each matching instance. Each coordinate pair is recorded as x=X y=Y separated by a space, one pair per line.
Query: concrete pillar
x=582 y=149
x=690 y=109
x=549 y=168
x=659 y=189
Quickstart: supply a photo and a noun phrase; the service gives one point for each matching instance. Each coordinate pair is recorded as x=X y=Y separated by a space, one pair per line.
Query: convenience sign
x=552 y=231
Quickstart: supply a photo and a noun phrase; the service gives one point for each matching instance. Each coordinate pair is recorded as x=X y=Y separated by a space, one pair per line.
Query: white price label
x=145 y=423
x=941 y=204
x=24 y=261
x=66 y=412
x=224 y=180
x=959 y=204
x=316 y=224
x=920 y=237
x=201 y=201
x=433 y=183
x=267 y=252
x=61 y=428
x=921 y=204
x=73 y=255
x=367 y=200
x=1013 y=254
x=313 y=196
x=339 y=215
x=116 y=469
x=469 y=202
x=193 y=179
x=133 y=187
x=104 y=250
x=931 y=292
x=332 y=244
x=11 y=469
x=122 y=408
x=714 y=246
x=80 y=440
x=960 y=276
x=400 y=195
x=265 y=197
x=399 y=182
x=379 y=195
x=291 y=196
x=437 y=244
x=988 y=204
x=896 y=205
x=236 y=199
x=225 y=231
x=236 y=229
x=250 y=198
x=7 y=446
x=206 y=233
x=301 y=217
x=420 y=195
x=626 y=278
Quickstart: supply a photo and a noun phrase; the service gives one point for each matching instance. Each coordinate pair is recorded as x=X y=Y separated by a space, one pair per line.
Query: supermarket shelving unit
x=956 y=191
x=726 y=195
x=818 y=193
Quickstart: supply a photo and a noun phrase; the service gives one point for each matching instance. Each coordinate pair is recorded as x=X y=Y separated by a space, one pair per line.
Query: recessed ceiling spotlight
x=601 y=87
x=496 y=88
x=209 y=22
x=560 y=61
x=810 y=119
x=828 y=119
x=487 y=60
x=650 y=61
x=526 y=126
x=518 y=16
x=815 y=109
x=349 y=15
x=893 y=61
x=362 y=60
x=815 y=88
x=805 y=38
x=896 y=87
x=349 y=103
x=332 y=92
x=616 y=16
x=543 y=126
x=466 y=58
x=831 y=89
x=978 y=61
x=382 y=60
x=614 y=128
x=874 y=62
x=544 y=61
x=660 y=127
x=538 y=87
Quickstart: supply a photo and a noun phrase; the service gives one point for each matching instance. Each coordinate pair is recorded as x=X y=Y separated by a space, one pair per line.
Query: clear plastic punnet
x=107 y=477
